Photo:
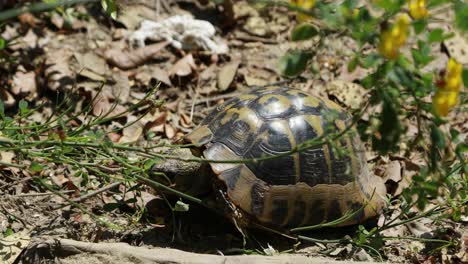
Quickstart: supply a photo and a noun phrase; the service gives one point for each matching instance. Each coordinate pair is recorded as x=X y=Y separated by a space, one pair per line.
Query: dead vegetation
x=89 y=102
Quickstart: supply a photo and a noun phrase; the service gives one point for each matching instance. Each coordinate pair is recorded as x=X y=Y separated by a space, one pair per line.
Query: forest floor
x=81 y=53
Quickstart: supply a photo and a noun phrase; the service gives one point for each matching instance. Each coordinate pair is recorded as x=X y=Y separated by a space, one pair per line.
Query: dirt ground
x=76 y=50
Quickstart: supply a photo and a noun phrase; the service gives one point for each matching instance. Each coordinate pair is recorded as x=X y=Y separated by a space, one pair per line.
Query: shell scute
x=319 y=183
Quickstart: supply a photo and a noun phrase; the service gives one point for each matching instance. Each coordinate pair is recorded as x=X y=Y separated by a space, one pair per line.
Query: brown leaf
x=132 y=133
x=28 y=19
x=57 y=20
x=184 y=66
x=226 y=75
x=102 y=106
x=350 y=94
x=162 y=76
x=58 y=73
x=7 y=156
x=135 y=58
x=114 y=137
x=7 y=98
x=169 y=131
x=457 y=46
x=24 y=83
x=185 y=120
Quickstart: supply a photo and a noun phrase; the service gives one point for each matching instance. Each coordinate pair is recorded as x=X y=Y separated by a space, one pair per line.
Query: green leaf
x=419 y=25
x=390 y=6
x=2 y=43
x=465 y=77
x=149 y=163
x=353 y=64
x=8 y=232
x=436 y=35
x=181 y=207
x=303 y=32
x=293 y=63
x=461 y=15
x=2 y=109
x=422 y=55
x=390 y=128
x=371 y=60
x=438 y=138
x=110 y=7
x=36 y=167
x=23 y=106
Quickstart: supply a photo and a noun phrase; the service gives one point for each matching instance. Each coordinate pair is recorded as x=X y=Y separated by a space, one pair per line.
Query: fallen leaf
x=121 y=88
x=24 y=84
x=114 y=137
x=91 y=66
x=392 y=176
x=28 y=41
x=257 y=26
x=134 y=58
x=58 y=73
x=350 y=94
x=13 y=245
x=28 y=19
x=253 y=81
x=184 y=66
x=102 y=106
x=185 y=120
x=131 y=133
x=131 y=15
x=57 y=20
x=7 y=156
x=226 y=75
x=457 y=46
x=91 y=75
x=169 y=131
x=161 y=75
x=7 y=98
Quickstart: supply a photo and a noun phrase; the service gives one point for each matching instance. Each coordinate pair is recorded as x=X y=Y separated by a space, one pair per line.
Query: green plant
x=398 y=84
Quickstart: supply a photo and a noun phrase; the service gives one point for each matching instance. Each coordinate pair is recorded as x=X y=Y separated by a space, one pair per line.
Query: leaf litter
x=99 y=61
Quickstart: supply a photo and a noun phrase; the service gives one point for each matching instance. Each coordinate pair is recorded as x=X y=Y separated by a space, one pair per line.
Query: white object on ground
x=183 y=31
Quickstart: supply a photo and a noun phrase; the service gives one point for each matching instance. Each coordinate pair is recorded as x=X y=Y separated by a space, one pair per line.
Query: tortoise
x=282 y=186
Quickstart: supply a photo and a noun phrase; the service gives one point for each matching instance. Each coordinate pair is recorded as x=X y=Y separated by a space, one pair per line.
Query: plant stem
x=39 y=7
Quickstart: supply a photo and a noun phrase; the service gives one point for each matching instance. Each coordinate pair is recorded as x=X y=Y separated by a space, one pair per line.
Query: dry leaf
x=135 y=58
x=169 y=131
x=161 y=75
x=185 y=120
x=457 y=46
x=58 y=73
x=350 y=94
x=57 y=20
x=131 y=133
x=102 y=106
x=114 y=137
x=7 y=156
x=13 y=245
x=28 y=19
x=226 y=75
x=7 y=98
x=28 y=41
x=24 y=84
x=257 y=26
x=393 y=172
x=184 y=66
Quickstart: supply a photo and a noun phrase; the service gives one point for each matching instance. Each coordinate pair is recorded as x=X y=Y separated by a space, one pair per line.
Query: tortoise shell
x=298 y=188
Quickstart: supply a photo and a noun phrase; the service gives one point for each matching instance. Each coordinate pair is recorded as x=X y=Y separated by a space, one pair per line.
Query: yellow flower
x=453 y=76
x=446 y=96
x=392 y=39
x=418 y=9
x=306 y=5
x=443 y=101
